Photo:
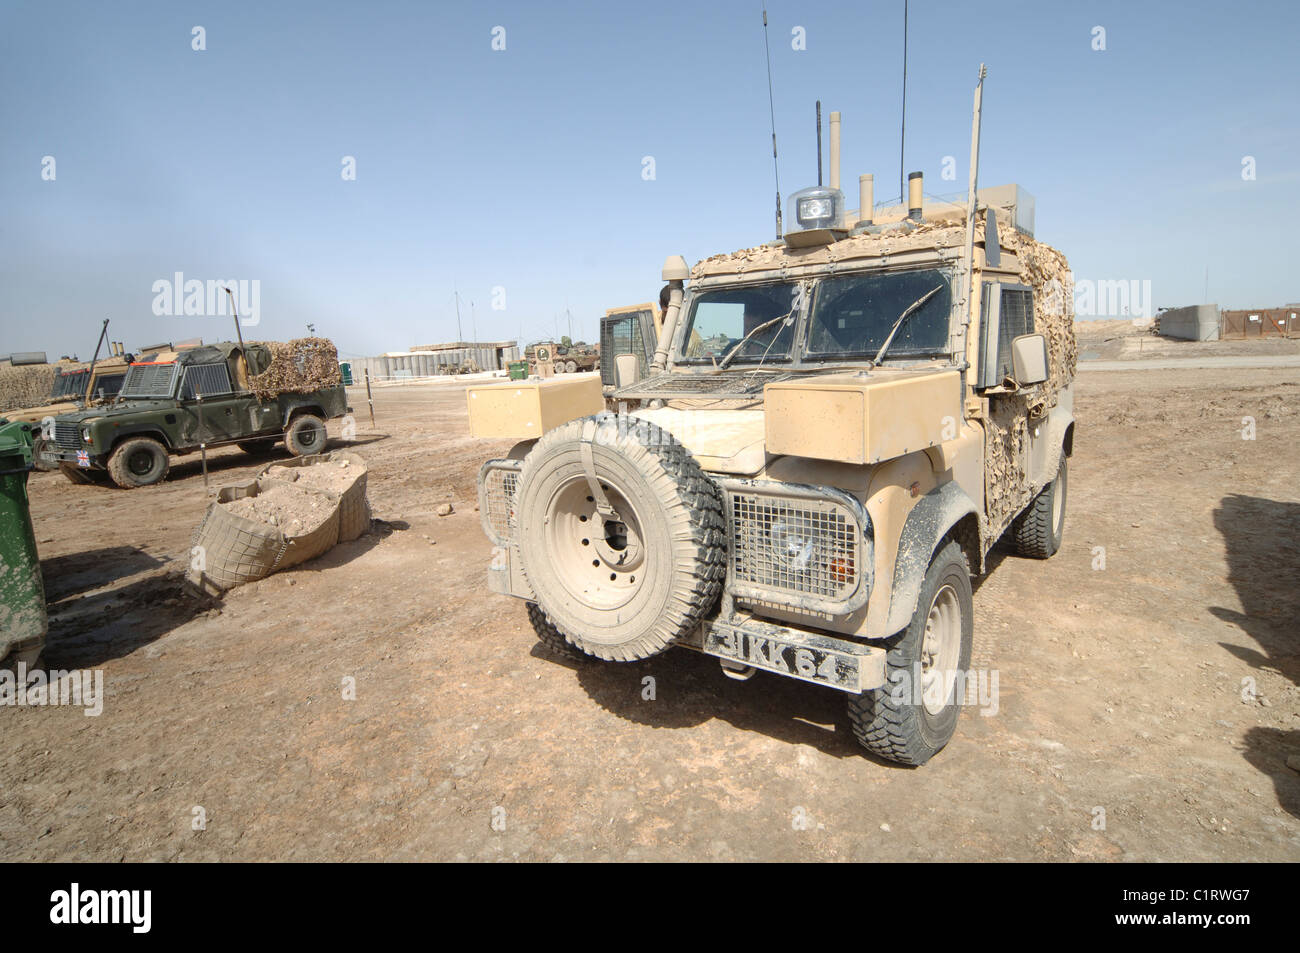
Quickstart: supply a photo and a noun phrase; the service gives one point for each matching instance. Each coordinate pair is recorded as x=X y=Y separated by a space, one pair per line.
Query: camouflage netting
x=297 y=367
x=25 y=386
x=1045 y=270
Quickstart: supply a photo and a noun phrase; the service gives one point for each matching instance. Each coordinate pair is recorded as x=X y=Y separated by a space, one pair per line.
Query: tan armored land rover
x=836 y=429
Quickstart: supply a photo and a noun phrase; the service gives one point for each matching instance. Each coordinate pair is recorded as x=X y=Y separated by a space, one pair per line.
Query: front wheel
x=914 y=715
x=305 y=435
x=139 y=461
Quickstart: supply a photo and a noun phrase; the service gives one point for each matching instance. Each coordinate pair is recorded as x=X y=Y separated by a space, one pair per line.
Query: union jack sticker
x=83 y=458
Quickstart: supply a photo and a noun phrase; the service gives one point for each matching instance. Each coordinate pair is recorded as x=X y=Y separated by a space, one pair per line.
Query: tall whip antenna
x=902 y=129
x=771 y=106
x=819 y=142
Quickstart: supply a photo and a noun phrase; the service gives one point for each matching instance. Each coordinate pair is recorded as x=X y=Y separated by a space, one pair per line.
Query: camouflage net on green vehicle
x=297 y=367
x=25 y=386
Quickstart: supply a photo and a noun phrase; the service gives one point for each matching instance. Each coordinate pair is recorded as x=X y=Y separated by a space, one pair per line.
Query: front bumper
x=83 y=459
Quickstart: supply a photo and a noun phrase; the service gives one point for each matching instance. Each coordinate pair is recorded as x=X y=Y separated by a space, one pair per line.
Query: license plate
x=83 y=458
x=811 y=658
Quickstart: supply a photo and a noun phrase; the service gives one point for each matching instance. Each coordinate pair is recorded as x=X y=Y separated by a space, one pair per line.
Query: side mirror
x=627 y=370
x=1029 y=359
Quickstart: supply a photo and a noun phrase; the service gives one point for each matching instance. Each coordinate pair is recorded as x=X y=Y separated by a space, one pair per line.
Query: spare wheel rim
x=600 y=563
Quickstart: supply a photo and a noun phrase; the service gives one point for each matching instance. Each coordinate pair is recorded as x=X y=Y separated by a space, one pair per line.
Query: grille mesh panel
x=66 y=435
x=148 y=380
x=209 y=380
x=794 y=546
x=704 y=385
x=500 y=486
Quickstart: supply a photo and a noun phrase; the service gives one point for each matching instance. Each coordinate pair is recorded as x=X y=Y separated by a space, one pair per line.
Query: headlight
x=85 y=434
x=818 y=207
x=792 y=547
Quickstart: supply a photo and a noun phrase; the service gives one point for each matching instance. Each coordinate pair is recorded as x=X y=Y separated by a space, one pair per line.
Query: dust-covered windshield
x=852 y=315
x=70 y=383
x=720 y=320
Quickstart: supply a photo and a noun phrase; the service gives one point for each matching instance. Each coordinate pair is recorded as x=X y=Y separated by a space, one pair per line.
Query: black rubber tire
x=1037 y=532
x=257 y=448
x=305 y=435
x=38 y=447
x=890 y=722
x=553 y=638
x=681 y=549
x=137 y=462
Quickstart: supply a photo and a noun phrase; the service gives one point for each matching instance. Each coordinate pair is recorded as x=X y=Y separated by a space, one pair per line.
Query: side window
x=1006 y=312
x=210 y=380
x=621 y=336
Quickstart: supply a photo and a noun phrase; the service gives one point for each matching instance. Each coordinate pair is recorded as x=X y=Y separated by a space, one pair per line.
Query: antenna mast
x=902 y=129
x=968 y=282
x=819 y=142
x=771 y=106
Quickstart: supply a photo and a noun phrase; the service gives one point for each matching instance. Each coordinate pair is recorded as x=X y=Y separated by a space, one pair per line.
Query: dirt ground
x=1117 y=340
x=1121 y=688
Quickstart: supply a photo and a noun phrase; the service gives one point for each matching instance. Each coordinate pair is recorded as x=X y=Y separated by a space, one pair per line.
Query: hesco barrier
x=1265 y=322
x=229 y=550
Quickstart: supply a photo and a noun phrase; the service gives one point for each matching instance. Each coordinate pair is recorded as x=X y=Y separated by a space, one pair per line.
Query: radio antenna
x=819 y=142
x=902 y=129
x=771 y=106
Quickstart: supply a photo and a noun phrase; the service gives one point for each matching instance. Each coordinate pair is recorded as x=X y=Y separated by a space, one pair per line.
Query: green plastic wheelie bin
x=23 y=623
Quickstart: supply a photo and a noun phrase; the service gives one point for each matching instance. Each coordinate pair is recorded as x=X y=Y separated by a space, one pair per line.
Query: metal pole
x=968 y=282
x=370 y=399
x=902 y=129
x=103 y=333
x=233 y=310
x=819 y=142
x=203 y=445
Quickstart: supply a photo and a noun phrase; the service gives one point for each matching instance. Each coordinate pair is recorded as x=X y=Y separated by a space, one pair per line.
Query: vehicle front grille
x=67 y=435
x=805 y=549
x=498 y=482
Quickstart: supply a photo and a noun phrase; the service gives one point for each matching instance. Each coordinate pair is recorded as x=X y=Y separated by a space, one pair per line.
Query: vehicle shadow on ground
x=1262 y=539
x=689 y=689
x=78 y=572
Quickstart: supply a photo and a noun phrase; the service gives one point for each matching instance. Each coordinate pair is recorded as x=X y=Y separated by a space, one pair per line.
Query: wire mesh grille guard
x=802 y=547
x=703 y=385
x=499 y=485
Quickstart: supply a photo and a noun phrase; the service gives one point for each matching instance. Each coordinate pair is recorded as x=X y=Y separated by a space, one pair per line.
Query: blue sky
x=521 y=169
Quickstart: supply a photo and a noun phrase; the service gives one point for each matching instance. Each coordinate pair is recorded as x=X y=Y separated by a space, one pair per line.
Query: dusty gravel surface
x=1121 y=688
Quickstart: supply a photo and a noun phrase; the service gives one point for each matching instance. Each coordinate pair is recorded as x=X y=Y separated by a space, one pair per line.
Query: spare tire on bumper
x=621 y=535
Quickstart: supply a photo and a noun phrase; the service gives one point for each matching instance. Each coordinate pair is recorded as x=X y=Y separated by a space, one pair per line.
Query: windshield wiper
x=899 y=323
x=735 y=348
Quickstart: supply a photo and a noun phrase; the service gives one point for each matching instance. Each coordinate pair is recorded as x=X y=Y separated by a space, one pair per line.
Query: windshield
x=69 y=384
x=720 y=319
x=852 y=315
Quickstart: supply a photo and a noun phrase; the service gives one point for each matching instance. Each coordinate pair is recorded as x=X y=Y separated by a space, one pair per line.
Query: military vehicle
x=208 y=396
x=74 y=386
x=834 y=431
